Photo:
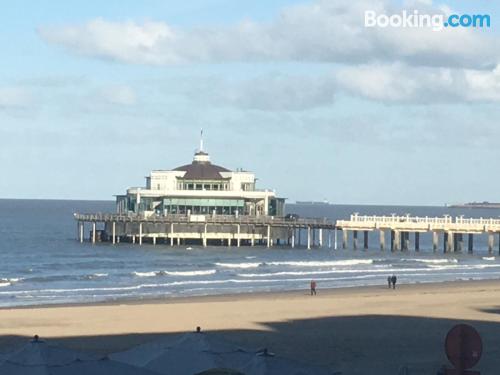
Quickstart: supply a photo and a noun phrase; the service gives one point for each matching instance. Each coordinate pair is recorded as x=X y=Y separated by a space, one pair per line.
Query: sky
x=96 y=94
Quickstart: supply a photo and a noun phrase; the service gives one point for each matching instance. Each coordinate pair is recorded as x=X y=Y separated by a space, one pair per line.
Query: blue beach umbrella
x=188 y=354
x=39 y=358
x=266 y=363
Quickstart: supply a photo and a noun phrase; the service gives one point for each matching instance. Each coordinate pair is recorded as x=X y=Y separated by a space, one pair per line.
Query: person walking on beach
x=389 y=281
x=394 y=279
x=313 y=287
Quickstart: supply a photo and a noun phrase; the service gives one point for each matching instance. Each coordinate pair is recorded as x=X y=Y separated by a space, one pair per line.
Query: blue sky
x=93 y=95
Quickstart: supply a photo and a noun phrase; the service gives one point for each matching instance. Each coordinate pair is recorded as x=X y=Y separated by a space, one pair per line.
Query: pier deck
x=400 y=227
x=205 y=229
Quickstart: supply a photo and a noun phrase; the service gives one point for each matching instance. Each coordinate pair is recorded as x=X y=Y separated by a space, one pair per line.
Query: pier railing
x=416 y=223
x=210 y=219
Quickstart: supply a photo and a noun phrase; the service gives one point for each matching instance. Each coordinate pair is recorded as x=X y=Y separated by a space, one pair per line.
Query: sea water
x=41 y=262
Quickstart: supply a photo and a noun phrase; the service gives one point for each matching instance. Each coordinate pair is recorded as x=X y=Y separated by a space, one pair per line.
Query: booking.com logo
x=416 y=20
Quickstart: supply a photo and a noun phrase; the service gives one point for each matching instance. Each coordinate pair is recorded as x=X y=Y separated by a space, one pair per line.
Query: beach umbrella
x=220 y=371
x=266 y=363
x=189 y=354
x=39 y=358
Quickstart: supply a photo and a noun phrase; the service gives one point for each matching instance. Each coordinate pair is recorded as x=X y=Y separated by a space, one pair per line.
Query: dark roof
x=202 y=170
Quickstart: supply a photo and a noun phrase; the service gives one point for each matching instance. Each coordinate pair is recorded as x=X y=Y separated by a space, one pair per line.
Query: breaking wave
x=174 y=273
x=238 y=265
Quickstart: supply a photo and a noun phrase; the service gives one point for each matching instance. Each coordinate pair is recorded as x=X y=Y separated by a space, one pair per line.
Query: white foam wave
x=433 y=261
x=145 y=274
x=339 y=271
x=463 y=267
x=488 y=258
x=7 y=282
x=189 y=273
x=238 y=265
x=96 y=275
x=288 y=273
x=328 y=263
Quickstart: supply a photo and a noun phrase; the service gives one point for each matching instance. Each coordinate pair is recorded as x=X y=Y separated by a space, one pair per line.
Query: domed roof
x=202 y=169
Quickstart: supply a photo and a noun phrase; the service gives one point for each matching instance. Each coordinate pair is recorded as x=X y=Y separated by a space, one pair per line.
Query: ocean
x=41 y=261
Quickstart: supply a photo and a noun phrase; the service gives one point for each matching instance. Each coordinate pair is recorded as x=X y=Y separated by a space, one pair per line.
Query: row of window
x=193 y=186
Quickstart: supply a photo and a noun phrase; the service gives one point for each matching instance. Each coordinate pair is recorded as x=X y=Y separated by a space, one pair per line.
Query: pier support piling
x=491 y=242
x=417 y=241
x=172 y=234
x=382 y=239
x=355 y=239
x=140 y=234
x=470 y=243
x=268 y=236
x=499 y=243
x=459 y=243
x=114 y=232
x=435 y=241
x=405 y=241
x=345 y=234
x=308 y=238
x=293 y=238
x=93 y=232
x=396 y=242
x=320 y=237
x=238 y=239
x=365 y=240
x=204 y=235
x=81 y=231
x=335 y=239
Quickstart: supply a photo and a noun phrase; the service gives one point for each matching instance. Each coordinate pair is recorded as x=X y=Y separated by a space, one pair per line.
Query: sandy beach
x=371 y=330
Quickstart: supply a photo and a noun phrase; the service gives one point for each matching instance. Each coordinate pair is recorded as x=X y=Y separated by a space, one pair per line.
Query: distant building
x=200 y=188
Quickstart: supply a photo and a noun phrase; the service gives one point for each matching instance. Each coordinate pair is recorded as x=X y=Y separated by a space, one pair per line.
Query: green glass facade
x=203 y=206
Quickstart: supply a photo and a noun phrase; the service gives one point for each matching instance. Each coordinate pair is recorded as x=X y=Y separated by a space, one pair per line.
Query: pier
x=398 y=229
x=205 y=230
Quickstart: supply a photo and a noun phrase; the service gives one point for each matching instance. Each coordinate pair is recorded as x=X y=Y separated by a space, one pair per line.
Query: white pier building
x=200 y=188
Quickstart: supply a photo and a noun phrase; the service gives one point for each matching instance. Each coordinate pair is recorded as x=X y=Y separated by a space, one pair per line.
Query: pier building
x=202 y=203
x=200 y=188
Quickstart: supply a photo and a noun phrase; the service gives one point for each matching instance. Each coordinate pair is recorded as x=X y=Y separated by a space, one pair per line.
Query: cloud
x=15 y=98
x=122 y=41
x=118 y=94
x=323 y=31
x=269 y=92
x=402 y=83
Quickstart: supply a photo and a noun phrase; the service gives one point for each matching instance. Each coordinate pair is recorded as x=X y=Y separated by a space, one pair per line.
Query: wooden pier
x=452 y=230
x=230 y=230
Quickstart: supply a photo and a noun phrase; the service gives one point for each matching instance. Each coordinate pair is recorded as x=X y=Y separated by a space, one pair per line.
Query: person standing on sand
x=394 y=279
x=313 y=287
x=389 y=281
